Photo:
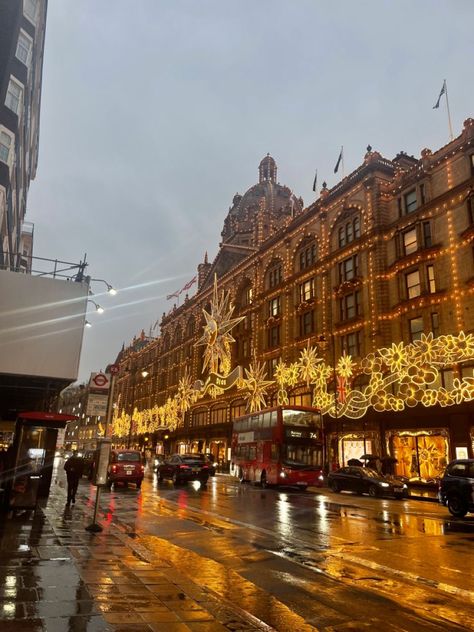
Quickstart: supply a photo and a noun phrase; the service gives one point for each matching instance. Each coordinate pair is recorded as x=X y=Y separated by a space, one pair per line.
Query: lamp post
x=144 y=374
x=324 y=344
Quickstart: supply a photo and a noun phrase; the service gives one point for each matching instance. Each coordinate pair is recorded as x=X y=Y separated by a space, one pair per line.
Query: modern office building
x=384 y=257
x=22 y=35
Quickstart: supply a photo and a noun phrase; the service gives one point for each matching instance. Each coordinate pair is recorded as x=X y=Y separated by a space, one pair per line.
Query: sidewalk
x=57 y=577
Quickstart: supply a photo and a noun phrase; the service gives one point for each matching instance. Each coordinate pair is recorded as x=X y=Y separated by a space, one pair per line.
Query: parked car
x=182 y=468
x=456 y=488
x=125 y=466
x=364 y=480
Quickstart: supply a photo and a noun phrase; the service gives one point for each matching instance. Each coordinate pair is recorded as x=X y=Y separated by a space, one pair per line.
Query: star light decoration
x=256 y=386
x=216 y=337
x=187 y=394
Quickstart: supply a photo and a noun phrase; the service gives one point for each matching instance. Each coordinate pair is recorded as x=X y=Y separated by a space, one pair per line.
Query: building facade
x=22 y=34
x=385 y=257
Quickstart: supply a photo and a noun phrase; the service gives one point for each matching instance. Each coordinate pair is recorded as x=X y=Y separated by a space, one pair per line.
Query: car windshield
x=368 y=473
x=129 y=456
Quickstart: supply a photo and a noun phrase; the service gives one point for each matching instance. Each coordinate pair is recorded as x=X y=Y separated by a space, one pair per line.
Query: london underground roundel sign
x=99 y=380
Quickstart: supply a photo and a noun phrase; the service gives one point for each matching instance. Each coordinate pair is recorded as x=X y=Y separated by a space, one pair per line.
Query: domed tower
x=262 y=210
x=267 y=170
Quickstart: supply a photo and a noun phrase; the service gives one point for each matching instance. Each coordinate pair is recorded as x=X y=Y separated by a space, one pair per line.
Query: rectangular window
x=435 y=324
x=5 y=144
x=348 y=268
x=410 y=242
x=275 y=277
x=410 y=201
x=306 y=290
x=412 y=283
x=14 y=96
x=271 y=366
x=30 y=9
x=342 y=237
x=350 y=344
x=416 y=328
x=307 y=323
x=274 y=337
x=307 y=256
x=274 y=307
x=427 y=234
x=431 y=279
x=349 y=306
x=23 y=48
x=356 y=228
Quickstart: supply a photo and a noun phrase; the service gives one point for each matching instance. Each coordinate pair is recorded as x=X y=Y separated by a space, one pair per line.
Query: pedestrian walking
x=74 y=467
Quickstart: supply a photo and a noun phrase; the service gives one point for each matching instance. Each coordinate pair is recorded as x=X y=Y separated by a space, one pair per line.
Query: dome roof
x=278 y=202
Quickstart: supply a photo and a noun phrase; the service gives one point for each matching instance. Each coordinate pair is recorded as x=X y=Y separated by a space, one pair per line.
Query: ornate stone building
x=383 y=257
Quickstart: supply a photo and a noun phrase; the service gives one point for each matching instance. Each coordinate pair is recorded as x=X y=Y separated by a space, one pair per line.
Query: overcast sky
x=155 y=113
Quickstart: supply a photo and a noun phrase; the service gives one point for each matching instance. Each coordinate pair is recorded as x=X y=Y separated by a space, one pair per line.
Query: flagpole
x=449 y=114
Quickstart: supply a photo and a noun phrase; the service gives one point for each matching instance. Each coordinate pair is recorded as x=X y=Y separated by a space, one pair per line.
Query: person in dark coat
x=74 y=467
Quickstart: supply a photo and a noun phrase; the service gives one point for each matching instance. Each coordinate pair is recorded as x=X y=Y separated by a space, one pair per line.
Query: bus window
x=301 y=418
x=275 y=452
x=267 y=420
x=252 y=453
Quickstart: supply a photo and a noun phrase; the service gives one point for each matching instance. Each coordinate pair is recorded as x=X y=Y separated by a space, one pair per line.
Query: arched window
x=306 y=254
x=274 y=274
x=349 y=231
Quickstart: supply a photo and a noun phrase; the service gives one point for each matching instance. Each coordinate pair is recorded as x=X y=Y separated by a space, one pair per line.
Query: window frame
x=407 y=247
x=408 y=288
x=34 y=5
x=306 y=290
x=415 y=334
x=411 y=204
x=4 y=132
x=274 y=307
x=430 y=278
x=306 y=323
x=13 y=81
x=273 y=336
x=25 y=36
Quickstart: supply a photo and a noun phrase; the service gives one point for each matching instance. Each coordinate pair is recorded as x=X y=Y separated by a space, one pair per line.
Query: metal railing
x=42 y=266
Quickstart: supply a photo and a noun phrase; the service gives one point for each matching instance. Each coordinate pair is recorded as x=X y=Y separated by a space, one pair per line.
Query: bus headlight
x=282 y=474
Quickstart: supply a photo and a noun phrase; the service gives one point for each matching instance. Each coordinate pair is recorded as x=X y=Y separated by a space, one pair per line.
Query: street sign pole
x=95 y=527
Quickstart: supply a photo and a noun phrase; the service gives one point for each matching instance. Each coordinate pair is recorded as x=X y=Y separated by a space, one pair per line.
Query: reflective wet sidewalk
x=57 y=577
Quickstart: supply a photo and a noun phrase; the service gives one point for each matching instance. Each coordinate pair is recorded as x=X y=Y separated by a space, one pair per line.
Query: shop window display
x=420 y=456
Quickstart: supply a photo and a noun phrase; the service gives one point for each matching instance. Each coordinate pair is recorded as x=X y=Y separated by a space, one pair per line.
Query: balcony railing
x=41 y=266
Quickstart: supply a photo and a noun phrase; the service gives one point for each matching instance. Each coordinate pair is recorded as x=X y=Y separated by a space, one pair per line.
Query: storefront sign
x=246 y=437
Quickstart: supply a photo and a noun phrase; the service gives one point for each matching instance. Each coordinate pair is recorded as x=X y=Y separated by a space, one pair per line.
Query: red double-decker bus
x=279 y=446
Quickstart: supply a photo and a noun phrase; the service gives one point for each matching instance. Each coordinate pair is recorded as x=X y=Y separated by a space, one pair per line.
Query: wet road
x=331 y=561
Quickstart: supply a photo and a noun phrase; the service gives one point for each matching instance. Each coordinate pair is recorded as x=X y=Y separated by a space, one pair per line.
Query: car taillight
x=205 y=467
x=142 y=467
x=184 y=467
x=114 y=468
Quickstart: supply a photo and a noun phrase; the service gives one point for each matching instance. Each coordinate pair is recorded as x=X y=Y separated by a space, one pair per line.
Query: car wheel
x=457 y=507
x=302 y=488
x=373 y=491
x=334 y=486
x=204 y=482
x=241 y=475
x=263 y=480
x=175 y=479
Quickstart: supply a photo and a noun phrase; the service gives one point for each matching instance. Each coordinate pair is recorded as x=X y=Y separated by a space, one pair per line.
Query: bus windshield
x=305 y=418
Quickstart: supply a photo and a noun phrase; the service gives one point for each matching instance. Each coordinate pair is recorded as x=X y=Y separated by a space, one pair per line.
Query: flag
x=443 y=91
x=175 y=294
x=315 y=181
x=188 y=284
x=338 y=162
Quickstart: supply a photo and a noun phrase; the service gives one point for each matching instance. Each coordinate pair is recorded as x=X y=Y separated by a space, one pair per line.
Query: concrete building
x=22 y=34
x=385 y=256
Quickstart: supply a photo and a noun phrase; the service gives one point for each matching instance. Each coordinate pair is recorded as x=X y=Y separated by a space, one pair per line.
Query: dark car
x=364 y=480
x=456 y=488
x=182 y=468
x=125 y=466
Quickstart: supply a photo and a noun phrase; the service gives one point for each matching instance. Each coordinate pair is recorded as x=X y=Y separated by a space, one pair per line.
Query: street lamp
x=98 y=308
x=111 y=290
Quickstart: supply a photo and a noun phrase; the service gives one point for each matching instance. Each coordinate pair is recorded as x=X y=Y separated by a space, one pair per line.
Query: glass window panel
x=413 y=284
x=410 y=243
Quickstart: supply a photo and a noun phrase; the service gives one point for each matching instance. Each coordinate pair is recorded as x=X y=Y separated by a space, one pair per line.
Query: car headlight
x=405 y=486
x=321 y=477
x=282 y=475
x=384 y=484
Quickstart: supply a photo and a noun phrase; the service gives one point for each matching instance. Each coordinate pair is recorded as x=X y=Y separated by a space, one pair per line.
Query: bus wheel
x=241 y=476
x=263 y=480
